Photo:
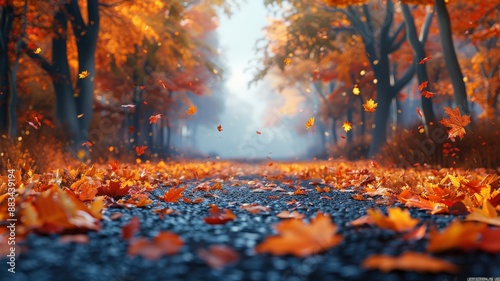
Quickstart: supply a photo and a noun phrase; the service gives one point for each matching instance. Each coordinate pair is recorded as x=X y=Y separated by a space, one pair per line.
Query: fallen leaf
x=173 y=194
x=456 y=236
x=290 y=215
x=131 y=228
x=489 y=240
x=455 y=122
x=218 y=256
x=254 y=208
x=301 y=239
x=218 y=216
x=165 y=243
x=370 y=105
x=114 y=188
x=409 y=261
x=398 y=219
x=75 y=238
x=487 y=214
x=416 y=234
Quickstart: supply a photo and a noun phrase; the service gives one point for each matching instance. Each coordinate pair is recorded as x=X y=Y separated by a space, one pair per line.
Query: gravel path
x=105 y=256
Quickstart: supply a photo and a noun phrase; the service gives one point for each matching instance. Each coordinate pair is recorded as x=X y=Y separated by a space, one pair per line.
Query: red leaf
x=173 y=194
x=423 y=85
x=154 y=118
x=140 y=150
x=424 y=60
x=131 y=228
x=219 y=216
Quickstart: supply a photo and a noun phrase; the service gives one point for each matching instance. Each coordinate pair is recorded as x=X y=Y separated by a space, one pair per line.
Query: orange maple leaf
x=131 y=228
x=219 y=128
x=427 y=94
x=397 y=219
x=347 y=126
x=154 y=118
x=191 y=110
x=456 y=236
x=218 y=256
x=218 y=216
x=254 y=208
x=114 y=188
x=309 y=123
x=173 y=194
x=409 y=261
x=165 y=243
x=455 y=122
x=370 y=105
x=423 y=85
x=487 y=214
x=424 y=60
x=302 y=239
x=290 y=215
x=140 y=150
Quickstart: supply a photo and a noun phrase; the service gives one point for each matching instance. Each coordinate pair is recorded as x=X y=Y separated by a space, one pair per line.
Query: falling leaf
x=173 y=194
x=356 y=90
x=419 y=112
x=33 y=125
x=423 y=85
x=218 y=216
x=219 y=128
x=38 y=50
x=310 y=123
x=131 y=228
x=258 y=132
x=290 y=215
x=347 y=126
x=301 y=239
x=128 y=105
x=154 y=118
x=191 y=110
x=409 y=261
x=140 y=150
x=80 y=116
x=218 y=256
x=370 y=105
x=427 y=94
x=165 y=243
x=456 y=236
x=83 y=74
x=487 y=214
x=455 y=122
x=424 y=60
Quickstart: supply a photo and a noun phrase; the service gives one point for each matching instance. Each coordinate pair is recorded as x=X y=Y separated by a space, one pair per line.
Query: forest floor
x=266 y=221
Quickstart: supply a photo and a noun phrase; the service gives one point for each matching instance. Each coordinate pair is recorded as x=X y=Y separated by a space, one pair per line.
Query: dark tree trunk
x=335 y=138
x=362 y=115
x=428 y=116
x=6 y=18
x=65 y=107
x=450 y=57
x=86 y=42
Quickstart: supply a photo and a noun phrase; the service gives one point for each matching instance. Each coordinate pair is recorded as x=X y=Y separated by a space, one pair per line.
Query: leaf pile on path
x=76 y=200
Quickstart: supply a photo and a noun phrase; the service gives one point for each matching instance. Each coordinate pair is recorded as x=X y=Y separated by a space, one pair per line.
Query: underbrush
x=351 y=151
x=478 y=149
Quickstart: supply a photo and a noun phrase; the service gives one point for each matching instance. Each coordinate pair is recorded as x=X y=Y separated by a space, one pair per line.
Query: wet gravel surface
x=105 y=257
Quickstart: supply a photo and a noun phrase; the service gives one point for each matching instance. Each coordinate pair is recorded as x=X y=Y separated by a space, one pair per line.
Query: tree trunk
x=6 y=18
x=65 y=107
x=349 y=135
x=428 y=116
x=450 y=57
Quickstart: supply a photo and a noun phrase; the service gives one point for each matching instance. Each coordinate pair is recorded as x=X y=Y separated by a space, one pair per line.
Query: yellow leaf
x=38 y=50
x=370 y=105
x=347 y=126
x=487 y=214
x=83 y=74
x=310 y=123
x=191 y=110
x=356 y=90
